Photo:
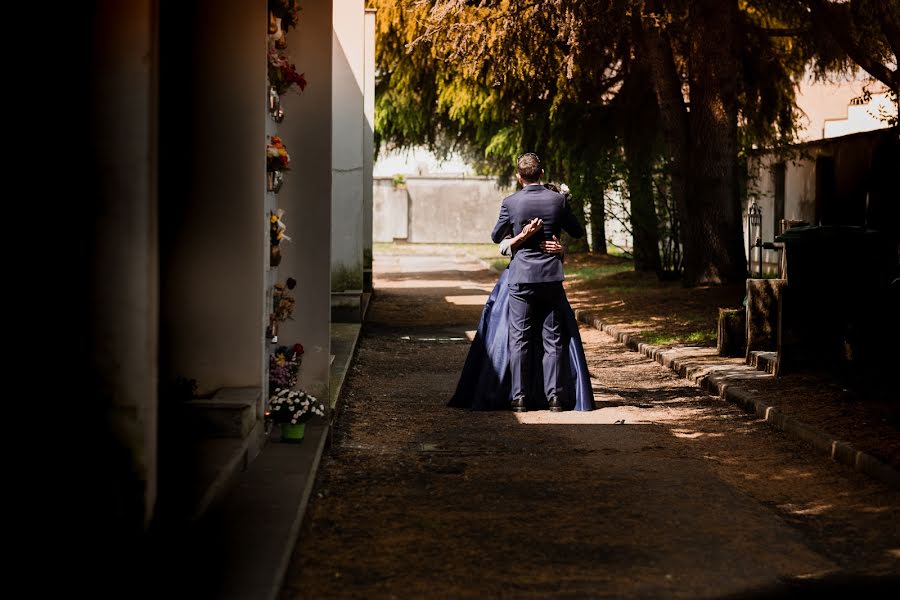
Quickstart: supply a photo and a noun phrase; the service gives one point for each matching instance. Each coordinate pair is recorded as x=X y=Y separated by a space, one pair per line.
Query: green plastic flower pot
x=293 y=433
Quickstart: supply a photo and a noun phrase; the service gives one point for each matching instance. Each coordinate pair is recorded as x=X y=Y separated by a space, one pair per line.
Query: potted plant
x=292 y=409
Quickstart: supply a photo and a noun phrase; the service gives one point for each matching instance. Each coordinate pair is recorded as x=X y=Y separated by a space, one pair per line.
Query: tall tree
x=701 y=130
x=494 y=78
x=640 y=149
x=867 y=31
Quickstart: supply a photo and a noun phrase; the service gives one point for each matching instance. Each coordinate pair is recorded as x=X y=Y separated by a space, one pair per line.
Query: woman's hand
x=531 y=228
x=552 y=246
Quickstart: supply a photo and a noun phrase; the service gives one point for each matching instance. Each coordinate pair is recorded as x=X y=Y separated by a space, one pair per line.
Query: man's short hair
x=529 y=167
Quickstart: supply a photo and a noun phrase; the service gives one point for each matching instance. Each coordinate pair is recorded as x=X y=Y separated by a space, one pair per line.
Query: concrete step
x=216 y=462
x=242 y=545
x=763 y=360
x=246 y=538
x=230 y=413
x=347 y=306
x=219 y=437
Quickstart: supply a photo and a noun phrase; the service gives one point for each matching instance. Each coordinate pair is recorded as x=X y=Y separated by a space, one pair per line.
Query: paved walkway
x=664 y=491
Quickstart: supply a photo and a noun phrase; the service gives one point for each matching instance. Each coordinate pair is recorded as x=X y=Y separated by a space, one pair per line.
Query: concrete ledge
x=344 y=338
x=724 y=382
x=222 y=464
x=347 y=306
x=260 y=518
x=231 y=412
x=242 y=546
x=763 y=360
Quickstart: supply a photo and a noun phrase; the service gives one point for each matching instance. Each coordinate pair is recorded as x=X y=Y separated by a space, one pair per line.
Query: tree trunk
x=644 y=224
x=657 y=49
x=702 y=143
x=598 y=225
x=639 y=136
x=714 y=249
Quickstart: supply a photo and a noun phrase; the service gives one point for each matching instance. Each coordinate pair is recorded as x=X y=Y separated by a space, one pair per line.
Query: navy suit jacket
x=529 y=263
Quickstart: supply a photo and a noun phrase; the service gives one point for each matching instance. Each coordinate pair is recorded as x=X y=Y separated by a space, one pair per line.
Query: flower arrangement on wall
x=277 y=161
x=284 y=367
x=283 y=74
x=289 y=407
x=282 y=306
x=277 y=157
x=285 y=13
x=277 y=229
x=283 y=301
x=277 y=233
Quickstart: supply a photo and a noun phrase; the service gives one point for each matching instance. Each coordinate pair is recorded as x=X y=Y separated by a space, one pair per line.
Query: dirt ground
x=862 y=413
x=661 y=492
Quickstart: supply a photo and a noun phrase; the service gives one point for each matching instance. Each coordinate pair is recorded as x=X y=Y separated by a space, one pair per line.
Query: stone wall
x=435 y=209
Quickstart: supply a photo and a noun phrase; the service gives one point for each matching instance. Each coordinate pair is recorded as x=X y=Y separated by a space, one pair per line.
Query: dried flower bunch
x=277 y=157
x=282 y=300
x=286 y=11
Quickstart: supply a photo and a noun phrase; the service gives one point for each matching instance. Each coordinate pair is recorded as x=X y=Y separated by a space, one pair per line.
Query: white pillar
x=368 y=144
x=347 y=160
x=213 y=220
x=306 y=196
x=125 y=259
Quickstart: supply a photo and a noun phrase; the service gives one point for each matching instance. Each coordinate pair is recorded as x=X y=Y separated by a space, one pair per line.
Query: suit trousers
x=531 y=304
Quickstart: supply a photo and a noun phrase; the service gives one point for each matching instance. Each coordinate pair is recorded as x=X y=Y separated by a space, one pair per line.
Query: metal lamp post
x=754 y=223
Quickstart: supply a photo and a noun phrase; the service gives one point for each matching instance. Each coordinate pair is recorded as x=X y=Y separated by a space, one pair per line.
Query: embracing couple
x=527 y=353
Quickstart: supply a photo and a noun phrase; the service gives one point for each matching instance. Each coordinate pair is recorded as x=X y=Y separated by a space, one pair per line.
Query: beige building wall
x=126 y=267
x=348 y=124
x=216 y=229
x=836 y=107
x=306 y=196
x=831 y=108
x=368 y=144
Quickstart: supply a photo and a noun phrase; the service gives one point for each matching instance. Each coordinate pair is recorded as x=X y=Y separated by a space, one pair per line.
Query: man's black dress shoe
x=518 y=405
x=555 y=404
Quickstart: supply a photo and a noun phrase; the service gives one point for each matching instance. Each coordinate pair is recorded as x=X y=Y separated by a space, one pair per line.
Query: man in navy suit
x=535 y=277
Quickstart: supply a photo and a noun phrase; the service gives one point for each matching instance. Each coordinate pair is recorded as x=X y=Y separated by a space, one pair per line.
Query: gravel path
x=662 y=492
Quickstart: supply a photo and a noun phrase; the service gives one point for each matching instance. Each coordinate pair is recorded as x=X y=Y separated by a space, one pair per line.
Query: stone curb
x=727 y=387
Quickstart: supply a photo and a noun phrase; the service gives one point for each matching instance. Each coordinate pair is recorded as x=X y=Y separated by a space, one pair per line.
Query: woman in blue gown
x=485 y=380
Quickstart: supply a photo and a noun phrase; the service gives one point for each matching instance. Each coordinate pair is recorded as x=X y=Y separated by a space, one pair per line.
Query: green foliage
x=490 y=79
x=701 y=336
x=599 y=271
x=344 y=278
x=493 y=79
x=499 y=264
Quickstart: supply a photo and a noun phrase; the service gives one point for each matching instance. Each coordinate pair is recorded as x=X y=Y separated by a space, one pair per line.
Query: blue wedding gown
x=485 y=380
